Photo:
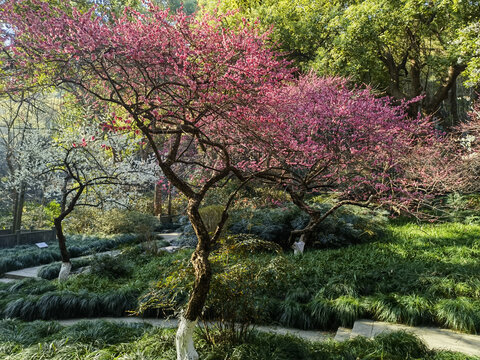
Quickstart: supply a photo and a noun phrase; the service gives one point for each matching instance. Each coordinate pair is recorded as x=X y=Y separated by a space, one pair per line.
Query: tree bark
x=157 y=201
x=454 y=105
x=432 y=105
x=62 y=241
x=184 y=340
x=201 y=286
x=18 y=208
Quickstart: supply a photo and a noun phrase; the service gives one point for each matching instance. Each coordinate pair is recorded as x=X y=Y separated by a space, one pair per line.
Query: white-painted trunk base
x=64 y=271
x=184 y=340
x=298 y=247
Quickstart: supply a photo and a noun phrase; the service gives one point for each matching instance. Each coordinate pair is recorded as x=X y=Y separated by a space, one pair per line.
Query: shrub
x=102 y=333
x=27 y=333
x=247 y=243
x=111 y=267
x=348 y=225
x=78 y=245
x=459 y=314
x=211 y=216
x=93 y=221
x=66 y=304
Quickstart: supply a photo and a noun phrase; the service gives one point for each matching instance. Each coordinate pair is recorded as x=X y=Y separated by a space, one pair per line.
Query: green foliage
x=272 y=224
x=461 y=208
x=114 y=221
x=413 y=274
x=29 y=255
x=38 y=216
x=402 y=48
x=460 y=314
x=247 y=243
x=102 y=333
x=111 y=267
x=102 y=340
x=66 y=305
x=211 y=216
x=51 y=271
x=348 y=225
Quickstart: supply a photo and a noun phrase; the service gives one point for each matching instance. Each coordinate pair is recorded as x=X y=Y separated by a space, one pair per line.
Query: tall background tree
x=403 y=48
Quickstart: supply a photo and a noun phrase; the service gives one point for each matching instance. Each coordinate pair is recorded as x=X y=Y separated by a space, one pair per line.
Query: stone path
x=434 y=338
x=311 y=335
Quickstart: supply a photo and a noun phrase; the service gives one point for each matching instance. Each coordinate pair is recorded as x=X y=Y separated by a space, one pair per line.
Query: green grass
x=103 y=340
x=414 y=274
x=25 y=256
x=89 y=295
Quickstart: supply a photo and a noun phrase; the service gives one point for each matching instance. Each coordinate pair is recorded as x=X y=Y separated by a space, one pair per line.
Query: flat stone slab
x=31 y=272
x=434 y=338
x=170 y=236
x=6 y=281
x=171 y=248
x=342 y=334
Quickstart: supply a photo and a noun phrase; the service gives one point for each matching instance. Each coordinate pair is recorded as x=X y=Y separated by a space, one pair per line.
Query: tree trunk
x=434 y=103
x=14 y=210
x=184 y=340
x=454 y=105
x=66 y=264
x=18 y=209
x=62 y=241
x=169 y=209
x=157 y=201
x=201 y=286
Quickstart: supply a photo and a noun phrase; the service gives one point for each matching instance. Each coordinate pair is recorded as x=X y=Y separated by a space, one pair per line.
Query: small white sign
x=41 y=245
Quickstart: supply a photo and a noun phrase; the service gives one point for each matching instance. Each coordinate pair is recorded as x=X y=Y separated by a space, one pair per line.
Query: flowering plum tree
x=320 y=136
x=187 y=84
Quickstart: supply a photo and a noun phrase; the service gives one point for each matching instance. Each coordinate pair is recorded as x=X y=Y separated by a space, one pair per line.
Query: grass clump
x=25 y=256
x=67 y=304
x=51 y=271
x=101 y=340
x=459 y=314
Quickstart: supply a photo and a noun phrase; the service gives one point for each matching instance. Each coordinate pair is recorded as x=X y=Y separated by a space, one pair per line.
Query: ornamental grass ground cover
x=25 y=256
x=103 y=340
x=414 y=274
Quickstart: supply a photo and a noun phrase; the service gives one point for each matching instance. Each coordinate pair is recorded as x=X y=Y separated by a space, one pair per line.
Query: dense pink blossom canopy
x=216 y=100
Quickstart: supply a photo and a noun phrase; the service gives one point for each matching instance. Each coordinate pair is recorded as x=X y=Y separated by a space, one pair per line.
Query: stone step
x=6 y=281
x=434 y=338
x=343 y=334
x=23 y=273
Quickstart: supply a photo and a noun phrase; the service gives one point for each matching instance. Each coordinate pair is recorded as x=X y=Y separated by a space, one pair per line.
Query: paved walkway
x=434 y=338
x=311 y=335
